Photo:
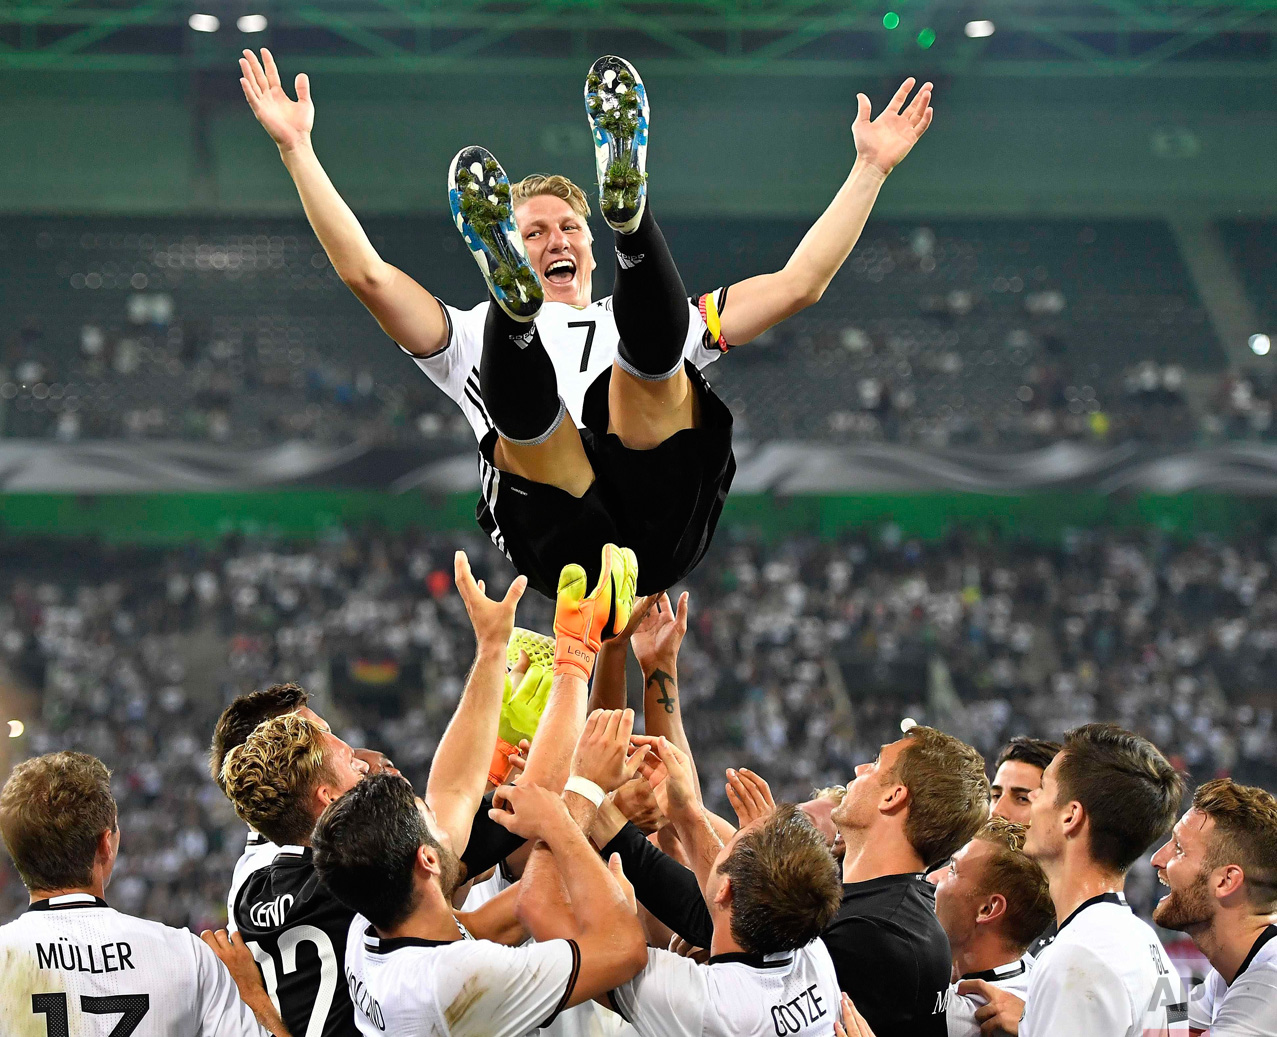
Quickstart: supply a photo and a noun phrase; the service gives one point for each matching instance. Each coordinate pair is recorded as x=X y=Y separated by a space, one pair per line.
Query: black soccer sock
x=650 y=303
x=517 y=379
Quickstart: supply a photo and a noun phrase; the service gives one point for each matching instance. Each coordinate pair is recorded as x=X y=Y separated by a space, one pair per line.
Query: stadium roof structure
x=782 y=37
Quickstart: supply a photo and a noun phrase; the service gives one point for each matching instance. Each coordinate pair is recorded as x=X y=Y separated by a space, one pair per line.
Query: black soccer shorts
x=663 y=503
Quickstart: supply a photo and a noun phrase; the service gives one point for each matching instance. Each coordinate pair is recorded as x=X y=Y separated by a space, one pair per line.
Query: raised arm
x=754 y=305
x=406 y=312
x=581 y=624
x=459 y=774
x=656 y=645
x=596 y=913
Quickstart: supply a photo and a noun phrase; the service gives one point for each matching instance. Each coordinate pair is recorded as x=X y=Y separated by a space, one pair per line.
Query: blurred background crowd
x=802 y=657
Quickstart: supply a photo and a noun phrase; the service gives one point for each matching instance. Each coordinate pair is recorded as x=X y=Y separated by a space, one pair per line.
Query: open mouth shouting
x=560 y=272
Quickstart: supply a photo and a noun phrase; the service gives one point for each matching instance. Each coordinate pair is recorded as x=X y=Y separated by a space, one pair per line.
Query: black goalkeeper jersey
x=297 y=931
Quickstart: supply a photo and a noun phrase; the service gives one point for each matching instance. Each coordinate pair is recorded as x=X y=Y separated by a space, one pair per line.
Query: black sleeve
x=663 y=886
x=489 y=843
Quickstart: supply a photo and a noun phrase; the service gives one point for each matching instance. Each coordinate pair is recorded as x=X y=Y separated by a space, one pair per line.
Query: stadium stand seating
x=1000 y=333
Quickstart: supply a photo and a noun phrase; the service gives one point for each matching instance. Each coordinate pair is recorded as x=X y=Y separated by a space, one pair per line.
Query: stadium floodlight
x=251 y=23
x=16 y=727
x=907 y=724
x=1260 y=345
x=204 y=22
x=979 y=29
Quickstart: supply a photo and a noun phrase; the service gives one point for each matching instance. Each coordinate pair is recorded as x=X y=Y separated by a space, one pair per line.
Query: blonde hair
x=1020 y=880
x=272 y=775
x=830 y=793
x=551 y=184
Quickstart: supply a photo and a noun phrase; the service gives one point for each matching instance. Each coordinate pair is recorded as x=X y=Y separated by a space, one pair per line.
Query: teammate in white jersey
x=993 y=901
x=1221 y=866
x=625 y=369
x=73 y=965
x=1105 y=797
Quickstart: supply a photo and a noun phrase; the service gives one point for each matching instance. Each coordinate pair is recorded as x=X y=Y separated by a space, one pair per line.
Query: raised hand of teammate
x=287 y=121
x=582 y=622
x=670 y=777
x=493 y=621
x=603 y=752
x=851 y=1023
x=749 y=795
x=1003 y=1012
x=637 y=802
x=529 y=811
x=885 y=141
x=660 y=634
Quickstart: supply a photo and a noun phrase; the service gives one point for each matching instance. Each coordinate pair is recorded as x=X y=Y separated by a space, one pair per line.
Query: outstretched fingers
x=258 y=73
x=919 y=104
x=897 y=102
x=272 y=70
x=302 y=85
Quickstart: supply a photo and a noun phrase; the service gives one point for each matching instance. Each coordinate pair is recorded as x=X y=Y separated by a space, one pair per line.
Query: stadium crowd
x=956 y=889
x=801 y=658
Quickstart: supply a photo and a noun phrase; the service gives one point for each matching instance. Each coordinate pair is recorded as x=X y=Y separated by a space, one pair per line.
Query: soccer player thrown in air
x=582 y=406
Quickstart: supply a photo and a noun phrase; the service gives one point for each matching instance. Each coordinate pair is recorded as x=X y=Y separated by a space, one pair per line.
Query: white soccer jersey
x=582 y=344
x=588 y=1019
x=466 y=988
x=1248 y=1006
x=960 y=1009
x=735 y=995
x=73 y=967
x=258 y=852
x=1106 y=975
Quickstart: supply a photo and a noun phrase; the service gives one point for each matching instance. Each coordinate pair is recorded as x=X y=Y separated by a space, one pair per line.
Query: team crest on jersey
x=270 y=914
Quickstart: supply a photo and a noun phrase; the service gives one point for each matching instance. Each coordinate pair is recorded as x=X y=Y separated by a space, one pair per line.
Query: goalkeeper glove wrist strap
x=573 y=657
x=500 y=767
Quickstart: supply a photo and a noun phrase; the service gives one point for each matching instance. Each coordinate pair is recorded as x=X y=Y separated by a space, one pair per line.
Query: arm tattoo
x=667 y=684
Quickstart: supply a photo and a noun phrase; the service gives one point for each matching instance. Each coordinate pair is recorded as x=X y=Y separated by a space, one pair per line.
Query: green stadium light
x=890 y=20
x=926 y=38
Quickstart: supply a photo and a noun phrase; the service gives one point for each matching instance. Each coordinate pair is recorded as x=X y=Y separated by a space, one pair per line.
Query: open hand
x=659 y=636
x=749 y=795
x=886 y=140
x=287 y=121
x=603 y=753
x=670 y=776
x=493 y=621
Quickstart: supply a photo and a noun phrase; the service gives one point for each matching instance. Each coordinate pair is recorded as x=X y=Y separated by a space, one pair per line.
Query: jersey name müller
x=581 y=343
x=72 y=965
x=1106 y=975
x=794 y=994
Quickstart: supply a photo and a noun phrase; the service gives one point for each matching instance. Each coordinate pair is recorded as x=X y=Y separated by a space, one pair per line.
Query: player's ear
x=1227 y=880
x=994 y=907
x=1073 y=818
x=723 y=896
x=428 y=860
x=894 y=798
